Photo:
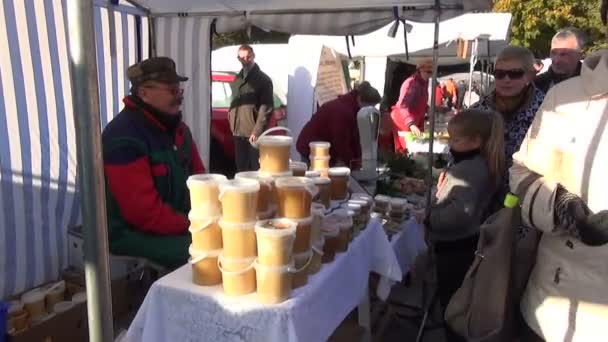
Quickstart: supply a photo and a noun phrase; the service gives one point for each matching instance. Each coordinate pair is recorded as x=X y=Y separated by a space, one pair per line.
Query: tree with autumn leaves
x=536 y=21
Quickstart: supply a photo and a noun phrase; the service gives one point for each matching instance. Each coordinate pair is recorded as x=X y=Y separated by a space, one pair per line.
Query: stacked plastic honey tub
x=206 y=234
x=319 y=157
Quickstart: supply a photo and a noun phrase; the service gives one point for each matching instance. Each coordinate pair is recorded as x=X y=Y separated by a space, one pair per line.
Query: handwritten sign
x=330 y=77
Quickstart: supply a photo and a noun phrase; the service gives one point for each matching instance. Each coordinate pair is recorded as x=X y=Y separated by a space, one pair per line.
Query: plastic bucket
x=206 y=233
x=331 y=236
x=343 y=219
x=319 y=148
x=298 y=169
x=302 y=264
x=317 y=256
x=295 y=196
x=398 y=206
x=273 y=283
x=239 y=198
x=303 y=241
x=265 y=200
x=382 y=203
x=319 y=163
x=274 y=151
x=204 y=191
x=54 y=294
x=238 y=275
x=339 y=182
x=275 y=239
x=33 y=302
x=204 y=267
x=324 y=186
x=239 y=239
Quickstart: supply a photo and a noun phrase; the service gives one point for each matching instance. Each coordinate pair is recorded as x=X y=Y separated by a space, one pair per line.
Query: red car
x=222 y=145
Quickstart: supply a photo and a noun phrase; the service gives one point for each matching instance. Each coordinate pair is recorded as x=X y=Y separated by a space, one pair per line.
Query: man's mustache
x=178 y=101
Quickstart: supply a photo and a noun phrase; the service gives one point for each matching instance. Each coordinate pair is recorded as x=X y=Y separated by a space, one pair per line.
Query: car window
x=221 y=94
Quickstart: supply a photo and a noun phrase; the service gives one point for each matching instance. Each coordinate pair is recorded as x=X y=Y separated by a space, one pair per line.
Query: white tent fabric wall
x=38 y=192
x=188 y=41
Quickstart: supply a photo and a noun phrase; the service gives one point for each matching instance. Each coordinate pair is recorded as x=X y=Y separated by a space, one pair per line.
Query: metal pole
x=85 y=100
x=431 y=158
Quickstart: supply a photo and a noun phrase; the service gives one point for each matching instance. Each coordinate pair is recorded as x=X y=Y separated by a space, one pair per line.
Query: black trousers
x=247 y=157
x=453 y=261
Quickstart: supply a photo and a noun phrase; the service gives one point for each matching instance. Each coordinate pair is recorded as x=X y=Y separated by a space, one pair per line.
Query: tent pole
x=85 y=101
x=431 y=157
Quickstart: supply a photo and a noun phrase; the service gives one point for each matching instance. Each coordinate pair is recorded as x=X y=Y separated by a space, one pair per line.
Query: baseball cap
x=160 y=69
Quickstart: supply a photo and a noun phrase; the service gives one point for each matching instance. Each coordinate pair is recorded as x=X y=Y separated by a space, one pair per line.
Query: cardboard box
x=67 y=326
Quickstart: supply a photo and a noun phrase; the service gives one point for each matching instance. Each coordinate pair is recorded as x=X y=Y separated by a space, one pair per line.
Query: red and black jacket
x=148 y=157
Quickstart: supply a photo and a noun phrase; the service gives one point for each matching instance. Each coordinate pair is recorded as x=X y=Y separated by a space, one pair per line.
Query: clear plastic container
x=295 y=196
x=316 y=262
x=239 y=198
x=239 y=239
x=206 y=233
x=319 y=148
x=304 y=235
x=339 y=182
x=205 y=271
x=274 y=153
x=204 y=192
x=302 y=264
x=324 y=195
x=265 y=198
x=275 y=239
x=319 y=163
x=273 y=283
x=298 y=169
x=238 y=275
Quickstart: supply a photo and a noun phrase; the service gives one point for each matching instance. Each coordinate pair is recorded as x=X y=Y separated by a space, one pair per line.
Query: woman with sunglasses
x=515 y=97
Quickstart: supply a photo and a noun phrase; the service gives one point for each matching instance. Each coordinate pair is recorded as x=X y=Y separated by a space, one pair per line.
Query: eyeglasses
x=172 y=91
x=514 y=74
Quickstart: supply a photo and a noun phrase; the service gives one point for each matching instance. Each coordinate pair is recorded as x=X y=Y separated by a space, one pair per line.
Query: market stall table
x=177 y=310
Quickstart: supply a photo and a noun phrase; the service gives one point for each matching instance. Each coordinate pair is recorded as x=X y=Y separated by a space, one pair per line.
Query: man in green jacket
x=250 y=109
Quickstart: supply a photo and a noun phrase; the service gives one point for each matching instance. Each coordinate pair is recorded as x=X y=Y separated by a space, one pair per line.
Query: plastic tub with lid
x=295 y=196
x=239 y=239
x=204 y=191
x=304 y=235
x=273 y=283
x=319 y=148
x=302 y=263
x=274 y=150
x=339 y=182
x=238 y=275
x=298 y=169
x=265 y=198
x=275 y=240
x=206 y=233
x=205 y=271
x=239 y=198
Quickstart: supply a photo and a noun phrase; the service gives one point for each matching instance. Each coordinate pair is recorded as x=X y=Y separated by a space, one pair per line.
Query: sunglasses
x=514 y=74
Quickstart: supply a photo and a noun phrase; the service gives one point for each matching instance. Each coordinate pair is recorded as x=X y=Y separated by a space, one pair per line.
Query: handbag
x=485 y=306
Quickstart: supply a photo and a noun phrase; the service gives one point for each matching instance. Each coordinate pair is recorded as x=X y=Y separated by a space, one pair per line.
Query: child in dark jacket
x=464 y=193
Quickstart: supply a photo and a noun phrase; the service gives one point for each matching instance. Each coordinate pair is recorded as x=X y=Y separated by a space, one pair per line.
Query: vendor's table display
x=175 y=309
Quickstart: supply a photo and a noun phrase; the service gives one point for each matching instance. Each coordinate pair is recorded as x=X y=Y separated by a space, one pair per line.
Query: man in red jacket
x=148 y=154
x=336 y=122
x=408 y=113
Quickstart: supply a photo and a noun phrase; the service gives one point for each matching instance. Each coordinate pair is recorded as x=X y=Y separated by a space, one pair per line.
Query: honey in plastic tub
x=356 y=210
x=319 y=148
x=302 y=265
x=265 y=199
x=295 y=196
x=339 y=182
x=399 y=206
x=55 y=293
x=34 y=304
x=382 y=204
x=274 y=151
x=331 y=236
x=317 y=256
x=275 y=241
x=342 y=219
x=318 y=213
x=239 y=239
x=206 y=233
x=238 y=276
x=273 y=283
x=324 y=186
x=303 y=241
x=205 y=271
x=298 y=169
x=239 y=198
x=204 y=192
x=319 y=163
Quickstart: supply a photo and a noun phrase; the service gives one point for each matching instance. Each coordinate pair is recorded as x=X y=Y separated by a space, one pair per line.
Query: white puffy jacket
x=567 y=295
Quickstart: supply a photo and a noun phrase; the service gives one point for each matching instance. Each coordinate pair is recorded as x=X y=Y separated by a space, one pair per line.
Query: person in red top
x=408 y=113
x=336 y=122
x=438 y=96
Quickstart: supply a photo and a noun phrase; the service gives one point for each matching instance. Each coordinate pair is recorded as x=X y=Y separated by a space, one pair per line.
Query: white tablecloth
x=177 y=310
x=407 y=244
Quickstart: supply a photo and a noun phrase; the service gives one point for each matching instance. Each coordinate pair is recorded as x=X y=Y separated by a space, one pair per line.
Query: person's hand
x=252 y=138
x=416 y=131
x=441 y=181
x=594 y=230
